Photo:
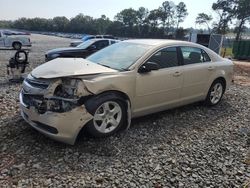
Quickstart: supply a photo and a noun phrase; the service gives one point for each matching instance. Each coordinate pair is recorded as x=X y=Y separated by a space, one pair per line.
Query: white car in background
x=89 y=37
x=15 y=41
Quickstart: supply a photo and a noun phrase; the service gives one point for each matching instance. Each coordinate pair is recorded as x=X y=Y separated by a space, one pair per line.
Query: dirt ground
x=242 y=73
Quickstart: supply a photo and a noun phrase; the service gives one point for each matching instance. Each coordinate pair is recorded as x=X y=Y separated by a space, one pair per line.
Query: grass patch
x=226 y=52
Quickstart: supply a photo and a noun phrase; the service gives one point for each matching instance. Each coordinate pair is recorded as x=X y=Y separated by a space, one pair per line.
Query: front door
x=159 y=89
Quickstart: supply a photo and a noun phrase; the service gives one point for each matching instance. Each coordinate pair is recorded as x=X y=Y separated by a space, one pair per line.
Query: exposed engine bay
x=55 y=95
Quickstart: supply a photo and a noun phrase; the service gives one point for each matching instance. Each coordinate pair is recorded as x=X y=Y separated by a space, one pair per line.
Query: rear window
x=192 y=55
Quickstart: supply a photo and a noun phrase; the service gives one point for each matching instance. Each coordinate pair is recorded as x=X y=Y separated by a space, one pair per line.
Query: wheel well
x=223 y=80
x=119 y=93
x=108 y=95
x=15 y=43
x=113 y=93
x=120 y=96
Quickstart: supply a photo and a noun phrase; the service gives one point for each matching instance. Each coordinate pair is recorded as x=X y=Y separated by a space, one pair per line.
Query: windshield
x=119 y=56
x=85 y=44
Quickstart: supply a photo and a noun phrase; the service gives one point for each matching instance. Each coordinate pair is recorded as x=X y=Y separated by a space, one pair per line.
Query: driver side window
x=101 y=44
x=165 y=58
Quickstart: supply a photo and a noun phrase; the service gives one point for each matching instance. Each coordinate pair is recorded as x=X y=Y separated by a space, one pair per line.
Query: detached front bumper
x=63 y=127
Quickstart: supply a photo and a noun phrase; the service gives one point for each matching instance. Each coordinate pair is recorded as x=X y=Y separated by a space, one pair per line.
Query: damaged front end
x=57 y=105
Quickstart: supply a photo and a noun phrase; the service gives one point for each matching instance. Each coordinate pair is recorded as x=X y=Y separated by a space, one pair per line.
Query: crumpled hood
x=63 y=67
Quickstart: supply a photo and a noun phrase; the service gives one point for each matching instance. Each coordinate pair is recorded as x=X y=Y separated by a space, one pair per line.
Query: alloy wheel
x=107 y=117
x=216 y=93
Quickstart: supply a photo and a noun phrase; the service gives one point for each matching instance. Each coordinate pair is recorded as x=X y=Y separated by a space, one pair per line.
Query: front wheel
x=215 y=93
x=17 y=45
x=108 y=118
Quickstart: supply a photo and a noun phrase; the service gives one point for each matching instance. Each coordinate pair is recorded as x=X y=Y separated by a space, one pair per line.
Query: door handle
x=176 y=74
x=210 y=68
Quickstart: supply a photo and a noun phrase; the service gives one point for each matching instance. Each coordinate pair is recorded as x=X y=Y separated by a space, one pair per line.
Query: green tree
x=202 y=19
x=242 y=13
x=116 y=29
x=181 y=13
x=102 y=24
x=167 y=12
x=5 y=24
x=157 y=23
x=60 y=23
x=82 y=24
x=225 y=11
x=142 y=19
x=154 y=18
x=128 y=17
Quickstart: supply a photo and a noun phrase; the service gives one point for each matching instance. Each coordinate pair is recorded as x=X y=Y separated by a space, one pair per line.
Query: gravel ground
x=242 y=73
x=191 y=146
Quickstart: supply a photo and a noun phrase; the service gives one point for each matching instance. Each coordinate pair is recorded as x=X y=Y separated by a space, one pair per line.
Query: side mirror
x=148 y=67
x=92 y=47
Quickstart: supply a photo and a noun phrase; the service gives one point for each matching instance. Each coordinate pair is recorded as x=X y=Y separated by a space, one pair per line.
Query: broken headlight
x=67 y=89
x=67 y=95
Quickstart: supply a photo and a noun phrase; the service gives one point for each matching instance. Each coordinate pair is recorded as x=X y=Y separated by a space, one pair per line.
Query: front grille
x=37 y=101
x=37 y=84
x=32 y=100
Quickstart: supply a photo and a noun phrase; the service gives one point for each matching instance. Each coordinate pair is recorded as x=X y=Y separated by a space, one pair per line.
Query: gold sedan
x=125 y=80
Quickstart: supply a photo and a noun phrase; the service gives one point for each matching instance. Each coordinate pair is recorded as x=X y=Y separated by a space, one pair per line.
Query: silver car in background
x=128 y=79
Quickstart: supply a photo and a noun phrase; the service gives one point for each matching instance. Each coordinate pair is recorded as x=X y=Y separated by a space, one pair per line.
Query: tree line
x=127 y=23
x=228 y=11
x=163 y=22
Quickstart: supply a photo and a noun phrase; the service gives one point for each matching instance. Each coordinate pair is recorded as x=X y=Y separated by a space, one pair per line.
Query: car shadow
x=11 y=49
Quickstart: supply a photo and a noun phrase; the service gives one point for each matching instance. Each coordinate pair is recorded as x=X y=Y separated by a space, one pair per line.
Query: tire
x=17 y=55
x=108 y=117
x=215 y=93
x=17 y=45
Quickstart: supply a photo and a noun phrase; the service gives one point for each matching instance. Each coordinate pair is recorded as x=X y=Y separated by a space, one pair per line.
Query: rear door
x=159 y=89
x=197 y=69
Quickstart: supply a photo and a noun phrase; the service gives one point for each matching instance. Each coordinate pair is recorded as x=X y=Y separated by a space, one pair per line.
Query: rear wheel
x=215 y=93
x=17 y=45
x=109 y=116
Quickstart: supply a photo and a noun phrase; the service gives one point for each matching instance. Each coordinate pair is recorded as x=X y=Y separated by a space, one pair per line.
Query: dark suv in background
x=88 y=37
x=83 y=50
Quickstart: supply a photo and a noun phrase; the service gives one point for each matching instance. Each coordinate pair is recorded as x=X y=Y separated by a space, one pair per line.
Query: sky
x=14 y=9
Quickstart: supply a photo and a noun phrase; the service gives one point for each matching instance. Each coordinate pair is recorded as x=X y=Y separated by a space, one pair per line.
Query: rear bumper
x=63 y=127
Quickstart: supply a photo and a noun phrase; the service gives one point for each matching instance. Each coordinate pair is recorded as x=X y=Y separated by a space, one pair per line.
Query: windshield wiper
x=119 y=69
x=104 y=65
x=124 y=69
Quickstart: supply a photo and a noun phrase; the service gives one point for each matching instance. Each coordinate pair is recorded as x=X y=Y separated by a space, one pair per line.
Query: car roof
x=159 y=42
x=98 y=39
